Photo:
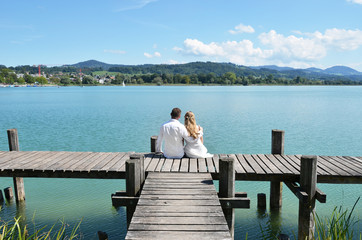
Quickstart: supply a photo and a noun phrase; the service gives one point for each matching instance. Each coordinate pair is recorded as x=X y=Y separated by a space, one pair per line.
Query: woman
x=194 y=142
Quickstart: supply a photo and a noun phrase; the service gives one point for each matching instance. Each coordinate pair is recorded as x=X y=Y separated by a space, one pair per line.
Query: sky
x=299 y=34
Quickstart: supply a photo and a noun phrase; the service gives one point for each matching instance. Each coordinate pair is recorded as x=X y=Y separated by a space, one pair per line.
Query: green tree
x=29 y=79
x=87 y=80
x=118 y=79
x=41 y=80
x=54 y=80
x=229 y=77
x=65 y=80
x=21 y=81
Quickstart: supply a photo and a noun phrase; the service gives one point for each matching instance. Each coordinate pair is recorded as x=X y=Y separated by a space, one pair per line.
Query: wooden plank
x=178 y=175
x=148 y=158
x=331 y=167
x=248 y=169
x=109 y=156
x=275 y=159
x=190 y=235
x=121 y=164
x=193 y=165
x=178 y=209
x=237 y=166
x=210 y=165
x=178 y=191
x=179 y=180
x=12 y=157
x=167 y=165
x=74 y=160
x=178 y=214
x=176 y=165
x=24 y=160
x=178 y=227
x=114 y=160
x=253 y=164
x=47 y=161
x=153 y=164
x=179 y=197
x=179 y=220
x=184 y=165
x=262 y=164
x=288 y=164
x=160 y=164
x=202 y=165
x=215 y=159
x=272 y=165
x=353 y=160
x=346 y=165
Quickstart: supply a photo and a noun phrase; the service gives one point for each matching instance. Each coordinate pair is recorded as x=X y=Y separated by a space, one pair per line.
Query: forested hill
x=333 y=73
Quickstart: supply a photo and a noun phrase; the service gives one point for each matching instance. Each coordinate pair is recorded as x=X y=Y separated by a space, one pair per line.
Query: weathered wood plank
x=167 y=165
x=178 y=227
x=111 y=163
x=272 y=165
x=160 y=164
x=251 y=161
x=248 y=169
x=176 y=165
x=347 y=166
x=193 y=165
x=202 y=165
x=328 y=165
x=166 y=235
x=184 y=165
x=210 y=165
x=153 y=164
x=278 y=161
x=215 y=159
x=179 y=220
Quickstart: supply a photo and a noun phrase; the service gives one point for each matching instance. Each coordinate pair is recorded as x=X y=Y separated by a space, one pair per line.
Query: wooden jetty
x=178 y=206
x=299 y=173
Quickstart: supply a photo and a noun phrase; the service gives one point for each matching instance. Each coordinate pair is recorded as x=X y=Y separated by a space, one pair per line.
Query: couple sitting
x=173 y=133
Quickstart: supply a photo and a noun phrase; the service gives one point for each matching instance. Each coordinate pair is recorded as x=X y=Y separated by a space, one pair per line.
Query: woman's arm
x=202 y=137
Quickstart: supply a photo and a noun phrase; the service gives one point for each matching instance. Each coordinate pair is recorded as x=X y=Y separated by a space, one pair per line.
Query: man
x=172 y=133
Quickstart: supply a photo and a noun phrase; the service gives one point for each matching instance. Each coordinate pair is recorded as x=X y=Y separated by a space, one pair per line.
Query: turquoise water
x=316 y=120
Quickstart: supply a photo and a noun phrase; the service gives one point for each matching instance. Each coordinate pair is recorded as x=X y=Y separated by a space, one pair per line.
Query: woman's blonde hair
x=190 y=124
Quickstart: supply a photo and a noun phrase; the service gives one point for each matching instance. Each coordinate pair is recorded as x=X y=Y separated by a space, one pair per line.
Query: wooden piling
x=18 y=182
x=8 y=193
x=261 y=201
x=1 y=197
x=308 y=182
x=102 y=235
x=276 y=187
x=227 y=188
x=283 y=237
x=153 y=143
x=141 y=160
x=133 y=184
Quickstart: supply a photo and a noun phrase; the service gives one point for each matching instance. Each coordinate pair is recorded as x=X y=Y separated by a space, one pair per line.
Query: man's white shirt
x=172 y=133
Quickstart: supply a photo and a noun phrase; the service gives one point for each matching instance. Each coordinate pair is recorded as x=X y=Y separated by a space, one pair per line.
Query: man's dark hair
x=176 y=112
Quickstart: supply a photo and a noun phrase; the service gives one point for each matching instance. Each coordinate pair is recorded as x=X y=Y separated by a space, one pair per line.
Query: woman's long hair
x=190 y=124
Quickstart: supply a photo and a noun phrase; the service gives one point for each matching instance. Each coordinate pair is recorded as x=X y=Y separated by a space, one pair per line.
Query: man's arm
x=159 y=141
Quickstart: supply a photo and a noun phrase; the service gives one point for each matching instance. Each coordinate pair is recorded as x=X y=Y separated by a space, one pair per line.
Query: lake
x=318 y=120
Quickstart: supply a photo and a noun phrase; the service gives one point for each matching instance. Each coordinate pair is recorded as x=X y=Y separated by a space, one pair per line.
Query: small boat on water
x=123 y=84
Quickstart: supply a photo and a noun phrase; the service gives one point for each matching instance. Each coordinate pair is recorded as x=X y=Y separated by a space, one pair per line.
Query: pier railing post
x=227 y=188
x=308 y=183
x=276 y=187
x=18 y=181
x=153 y=143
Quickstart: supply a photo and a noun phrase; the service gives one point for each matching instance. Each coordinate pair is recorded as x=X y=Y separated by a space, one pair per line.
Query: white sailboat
x=123 y=84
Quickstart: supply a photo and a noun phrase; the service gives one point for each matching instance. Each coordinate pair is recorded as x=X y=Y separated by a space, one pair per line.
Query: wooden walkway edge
x=178 y=206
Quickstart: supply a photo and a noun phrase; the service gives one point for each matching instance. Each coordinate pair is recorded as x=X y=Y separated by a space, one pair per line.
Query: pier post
x=227 y=188
x=276 y=188
x=308 y=183
x=261 y=201
x=133 y=182
x=18 y=182
x=153 y=143
x=8 y=193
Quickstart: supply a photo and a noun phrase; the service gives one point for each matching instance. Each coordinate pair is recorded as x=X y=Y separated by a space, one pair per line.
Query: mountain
x=273 y=67
x=341 y=70
x=93 y=64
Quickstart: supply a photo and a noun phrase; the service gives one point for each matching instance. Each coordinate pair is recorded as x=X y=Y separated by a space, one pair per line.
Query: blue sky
x=319 y=33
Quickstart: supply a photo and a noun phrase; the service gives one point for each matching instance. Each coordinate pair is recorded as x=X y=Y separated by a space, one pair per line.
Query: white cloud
x=135 y=4
x=114 y=51
x=341 y=39
x=173 y=62
x=155 y=54
x=355 y=1
x=241 y=28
